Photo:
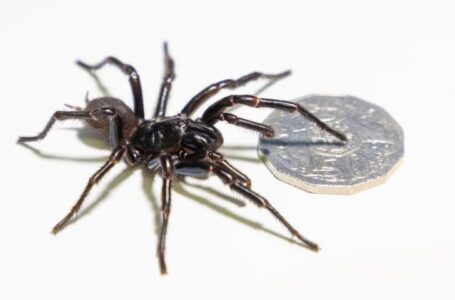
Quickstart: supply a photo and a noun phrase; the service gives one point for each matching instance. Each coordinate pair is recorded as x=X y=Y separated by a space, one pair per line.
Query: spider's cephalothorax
x=178 y=136
x=176 y=146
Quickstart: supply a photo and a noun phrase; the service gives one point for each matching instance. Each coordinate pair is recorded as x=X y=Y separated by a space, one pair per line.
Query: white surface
x=395 y=241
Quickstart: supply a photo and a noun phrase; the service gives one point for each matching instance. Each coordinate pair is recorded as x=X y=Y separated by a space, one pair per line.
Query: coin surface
x=302 y=155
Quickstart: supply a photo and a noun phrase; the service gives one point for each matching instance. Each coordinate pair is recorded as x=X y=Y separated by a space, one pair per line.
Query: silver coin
x=304 y=156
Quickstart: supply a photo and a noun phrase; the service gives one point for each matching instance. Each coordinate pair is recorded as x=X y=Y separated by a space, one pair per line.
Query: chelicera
x=179 y=145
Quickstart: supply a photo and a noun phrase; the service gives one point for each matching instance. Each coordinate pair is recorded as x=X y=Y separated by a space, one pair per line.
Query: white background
x=395 y=241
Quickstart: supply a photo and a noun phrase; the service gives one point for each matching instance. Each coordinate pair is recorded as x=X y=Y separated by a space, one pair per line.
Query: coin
x=302 y=155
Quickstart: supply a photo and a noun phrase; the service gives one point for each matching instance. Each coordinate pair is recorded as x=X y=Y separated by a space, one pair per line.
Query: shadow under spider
x=114 y=183
x=99 y=84
x=41 y=154
x=228 y=213
x=147 y=184
x=86 y=136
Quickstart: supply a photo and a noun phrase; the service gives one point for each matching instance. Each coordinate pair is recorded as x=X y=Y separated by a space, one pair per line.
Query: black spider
x=176 y=145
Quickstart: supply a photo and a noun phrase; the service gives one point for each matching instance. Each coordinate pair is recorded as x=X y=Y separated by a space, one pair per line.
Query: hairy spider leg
x=166 y=85
x=214 y=88
x=236 y=183
x=221 y=162
x=260 y=201
x=115 y=127
x=114 y=158
x=247 y=124
x=133 y=76
x=211 y=115
x=167 y=173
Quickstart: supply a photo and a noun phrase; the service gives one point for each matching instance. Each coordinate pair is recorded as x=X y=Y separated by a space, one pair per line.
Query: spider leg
x=133 y=77
x=214 y=110
x=260 y=201
x=167 y=174
x=214 y=88
x=202 y=169
x=166 y=85
x=248 y=124
x=222 y=163
x=115 y=157
x=197 y=144
x=114 y=123
x=236 y=183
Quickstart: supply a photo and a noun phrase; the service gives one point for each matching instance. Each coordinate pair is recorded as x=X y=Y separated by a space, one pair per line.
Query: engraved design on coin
x=302 y=155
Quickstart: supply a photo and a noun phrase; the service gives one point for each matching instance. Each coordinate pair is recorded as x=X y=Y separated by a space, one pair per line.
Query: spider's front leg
x=216 y=109
x=115 y=125
x=245 y=123
x=167 y=172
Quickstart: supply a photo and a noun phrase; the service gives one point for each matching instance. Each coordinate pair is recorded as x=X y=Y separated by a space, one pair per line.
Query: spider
x=176 y=146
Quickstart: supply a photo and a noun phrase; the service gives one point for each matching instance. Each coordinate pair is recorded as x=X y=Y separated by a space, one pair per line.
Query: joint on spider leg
x=167 y=168
x=216 y=156
x=269 y=132
x=256 y=101
x=232 y=101
x=244 y=182
x=210 y=170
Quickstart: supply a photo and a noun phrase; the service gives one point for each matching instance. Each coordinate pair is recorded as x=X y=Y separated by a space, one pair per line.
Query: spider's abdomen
x=101 y=122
